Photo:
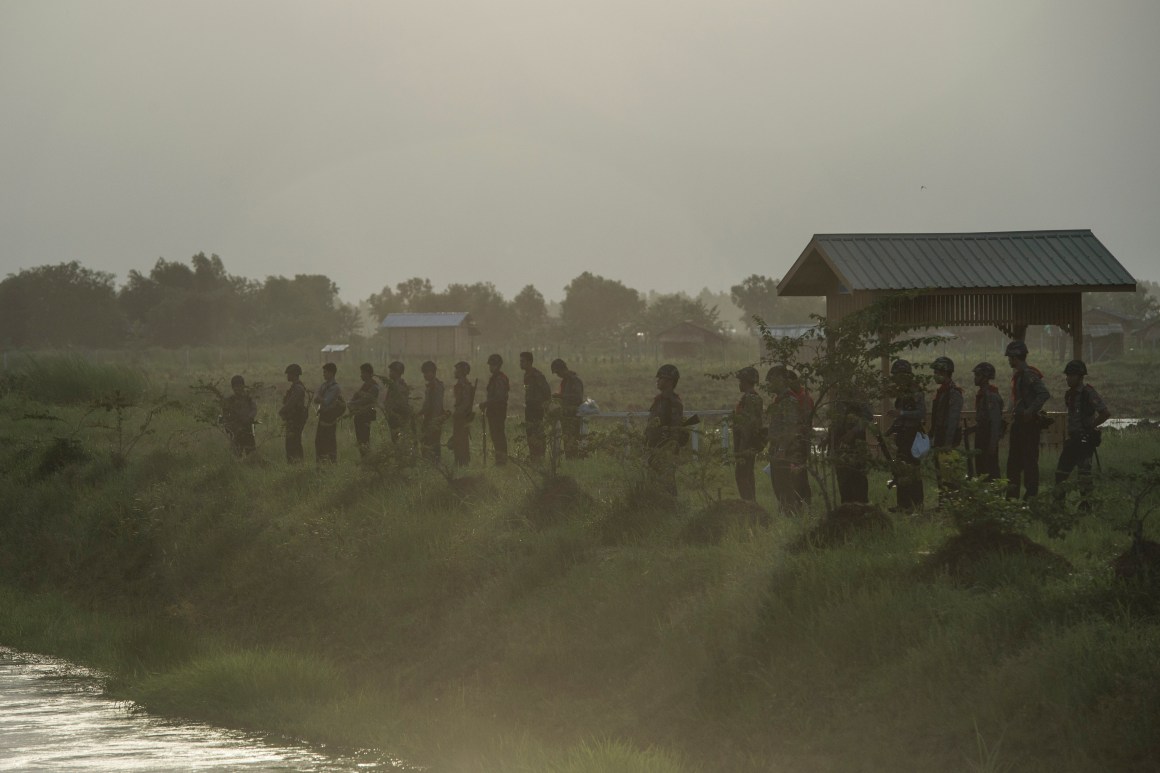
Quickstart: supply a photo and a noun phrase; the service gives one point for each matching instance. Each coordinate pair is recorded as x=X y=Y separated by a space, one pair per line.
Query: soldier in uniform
x=537 y=395
x=946 y=423
x=571 y=396
x=1028 y=396
x=1086 y=411
x=331 y=407
x=790 y=429
x=397 y=403
x=294 y=412
x=850 y=418
x=664 y=430
x=988 y=421
x=363 y=404
x=748 y=433
x=495 y=408
x=908 y=414
x=238 y=414
x=432 y=414
x=461 y=415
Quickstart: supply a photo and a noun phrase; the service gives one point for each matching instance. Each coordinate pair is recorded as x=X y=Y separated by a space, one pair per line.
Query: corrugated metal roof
x=1011 y=259
x=429 y=319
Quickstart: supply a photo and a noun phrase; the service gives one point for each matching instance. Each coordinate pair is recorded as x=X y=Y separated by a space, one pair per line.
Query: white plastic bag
x=921 y=445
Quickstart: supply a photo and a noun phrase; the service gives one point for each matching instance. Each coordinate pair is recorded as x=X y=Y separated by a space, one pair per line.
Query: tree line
x=200 y=303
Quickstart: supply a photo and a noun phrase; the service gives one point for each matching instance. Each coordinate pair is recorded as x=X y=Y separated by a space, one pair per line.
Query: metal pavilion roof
x=428 y=319
x=1040 y=261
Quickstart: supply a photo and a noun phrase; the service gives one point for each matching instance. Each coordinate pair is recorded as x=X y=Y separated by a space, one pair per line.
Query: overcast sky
x=671 y=145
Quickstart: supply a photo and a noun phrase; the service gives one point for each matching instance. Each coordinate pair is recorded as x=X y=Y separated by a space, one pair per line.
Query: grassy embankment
x=469 y=627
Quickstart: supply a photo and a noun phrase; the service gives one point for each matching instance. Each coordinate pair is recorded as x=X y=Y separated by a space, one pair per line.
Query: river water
x=54 y=716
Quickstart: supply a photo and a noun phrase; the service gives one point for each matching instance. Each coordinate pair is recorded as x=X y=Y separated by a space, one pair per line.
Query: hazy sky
x=671 y=145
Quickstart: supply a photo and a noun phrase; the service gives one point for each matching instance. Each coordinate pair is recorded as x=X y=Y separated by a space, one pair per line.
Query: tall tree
x=180 y=305
x=530 y=308
x=665 y=311
x=599 y=309
x=60 y=305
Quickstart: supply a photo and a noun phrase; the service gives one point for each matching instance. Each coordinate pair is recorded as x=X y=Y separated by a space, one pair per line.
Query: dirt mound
x=549 y=503
x=961 y=555
x=709 y=526
x=472 y=487
x=1140 y=563
x=640 y=510
x=843 y=522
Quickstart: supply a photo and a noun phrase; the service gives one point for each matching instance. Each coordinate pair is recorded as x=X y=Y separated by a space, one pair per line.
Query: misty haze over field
x=668 y=145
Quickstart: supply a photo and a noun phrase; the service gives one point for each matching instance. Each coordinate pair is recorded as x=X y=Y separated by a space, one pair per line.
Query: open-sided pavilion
x=1008 y=279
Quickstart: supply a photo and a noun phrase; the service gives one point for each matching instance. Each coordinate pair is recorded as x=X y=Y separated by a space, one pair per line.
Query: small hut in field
x=432 y=335
x=687 y=340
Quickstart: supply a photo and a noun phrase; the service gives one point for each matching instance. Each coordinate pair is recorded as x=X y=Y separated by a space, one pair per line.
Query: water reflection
x=53 y=716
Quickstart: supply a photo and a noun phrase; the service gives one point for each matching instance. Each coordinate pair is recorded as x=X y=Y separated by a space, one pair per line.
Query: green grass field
x=504 y=621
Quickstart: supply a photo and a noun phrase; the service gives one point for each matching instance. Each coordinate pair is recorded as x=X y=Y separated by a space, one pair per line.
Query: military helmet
x=427 y=367
x=237 y=381
x=670 y=372
x=462 y=366
x=1075 y=368
x=748 y=375
x=900 y=366
x=985 y=368
x=495 y=359
x=396 y=367
x=1016 y=349
x=945 y=364
x=294 y=369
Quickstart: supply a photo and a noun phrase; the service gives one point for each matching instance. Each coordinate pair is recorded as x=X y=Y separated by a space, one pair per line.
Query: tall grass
x=385 y=607
x=72 y=379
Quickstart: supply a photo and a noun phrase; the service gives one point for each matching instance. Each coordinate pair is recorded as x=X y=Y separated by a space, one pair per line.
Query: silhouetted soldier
x=397 y=404
x=1086 y=411
x=537 y=395
x=571 y=396
x=432 y=414
x=1028 y=396
x=331 y=407
x=294 y=412
x=461 y=415
x=909 y=413
x=988 y=422
x=748 y=433
x=495 y=408
x=362 y=407
x=946 y=423
x=790 y=430
x=849 y=420
x=238 y=414
x=663 y=431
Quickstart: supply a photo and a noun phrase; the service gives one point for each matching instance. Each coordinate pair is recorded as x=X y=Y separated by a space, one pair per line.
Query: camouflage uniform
x=397 y=406
x=432 y=416
x=849 y=421
x=294 y=412
x=461 y=416
x=911 y=408
x=571 y=397
x=238 y=413
x=331 y=406
x=748 y=441
x=662 y=436
x=363 y=404
x=495 y=409
x=1085 y=412
x=789 y=448
x=537 y=395
x=988 y=430
x=1028 y=396
x=946 y=416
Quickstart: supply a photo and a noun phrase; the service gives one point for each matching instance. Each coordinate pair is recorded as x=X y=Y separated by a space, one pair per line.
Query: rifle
x=483 y=432
x=967 y=447
x=884 y=449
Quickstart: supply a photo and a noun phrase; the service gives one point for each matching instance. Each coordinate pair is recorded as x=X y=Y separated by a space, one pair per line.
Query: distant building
x=334 y=352
x=444 y=334
x=686 y=339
